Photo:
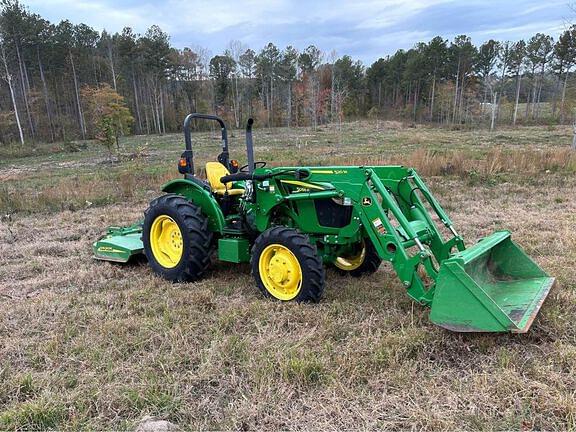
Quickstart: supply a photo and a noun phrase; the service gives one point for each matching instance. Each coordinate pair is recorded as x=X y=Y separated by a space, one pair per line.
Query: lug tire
x=313 y=273
x=369 y=266
x=196 y=238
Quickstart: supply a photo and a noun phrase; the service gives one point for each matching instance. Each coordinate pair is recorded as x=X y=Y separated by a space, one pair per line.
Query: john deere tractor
x=290 y=222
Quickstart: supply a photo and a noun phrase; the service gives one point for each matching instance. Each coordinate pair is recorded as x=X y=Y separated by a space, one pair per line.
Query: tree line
x=48 y=72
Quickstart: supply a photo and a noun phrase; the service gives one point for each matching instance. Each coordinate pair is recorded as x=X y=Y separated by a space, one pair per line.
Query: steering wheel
x=259 y=164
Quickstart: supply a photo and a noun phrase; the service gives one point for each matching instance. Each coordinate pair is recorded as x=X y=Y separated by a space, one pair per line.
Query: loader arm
x=492 y=286
x=388 y=241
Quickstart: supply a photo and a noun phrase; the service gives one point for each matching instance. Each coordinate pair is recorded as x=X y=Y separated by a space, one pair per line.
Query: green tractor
x=289 y=222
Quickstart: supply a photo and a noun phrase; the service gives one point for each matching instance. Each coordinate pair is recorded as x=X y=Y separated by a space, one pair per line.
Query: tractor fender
x=201 y=197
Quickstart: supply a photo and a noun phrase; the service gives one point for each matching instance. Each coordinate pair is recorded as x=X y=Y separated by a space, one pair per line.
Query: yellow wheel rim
x=352 y=262
x=166 y=241
x=280 y=272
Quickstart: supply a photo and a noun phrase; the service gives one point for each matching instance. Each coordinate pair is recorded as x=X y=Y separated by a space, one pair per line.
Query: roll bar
x=188 y=155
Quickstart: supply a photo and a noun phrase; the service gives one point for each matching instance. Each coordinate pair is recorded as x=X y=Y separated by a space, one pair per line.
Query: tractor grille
x=331 y=214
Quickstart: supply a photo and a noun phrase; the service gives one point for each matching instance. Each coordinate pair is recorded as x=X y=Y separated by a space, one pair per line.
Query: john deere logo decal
x=366 y=201
x=109 y=249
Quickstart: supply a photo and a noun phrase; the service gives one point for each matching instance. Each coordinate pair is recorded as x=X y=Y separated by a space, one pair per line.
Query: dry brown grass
x=76 y=192
x=494 y=161
x=92 y=345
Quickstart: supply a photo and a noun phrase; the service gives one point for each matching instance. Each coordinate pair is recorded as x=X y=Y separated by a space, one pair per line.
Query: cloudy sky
x=364 y=29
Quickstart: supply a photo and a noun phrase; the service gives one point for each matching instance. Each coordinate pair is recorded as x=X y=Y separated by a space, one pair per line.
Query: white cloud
x=210 y=17
x=386 y=13
x=543 y=6
x=550 y=27
x=365 y=28
x=96 y=14
x=181 y=16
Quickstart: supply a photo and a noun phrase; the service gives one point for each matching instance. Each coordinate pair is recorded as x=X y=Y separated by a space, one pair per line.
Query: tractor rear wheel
x=177 y=241
x=286 y=266
x=364 y=261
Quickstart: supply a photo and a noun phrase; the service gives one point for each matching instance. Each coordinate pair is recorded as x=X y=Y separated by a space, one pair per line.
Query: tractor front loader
x=289 y=222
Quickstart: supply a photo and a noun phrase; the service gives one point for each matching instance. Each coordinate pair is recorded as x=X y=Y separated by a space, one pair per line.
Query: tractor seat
x=214 y=172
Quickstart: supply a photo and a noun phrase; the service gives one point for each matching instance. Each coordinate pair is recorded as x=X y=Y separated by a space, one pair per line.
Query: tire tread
x=311 y=264
x=195 y=225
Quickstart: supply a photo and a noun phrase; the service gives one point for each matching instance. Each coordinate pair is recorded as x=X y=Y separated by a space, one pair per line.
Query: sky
x=364 y=29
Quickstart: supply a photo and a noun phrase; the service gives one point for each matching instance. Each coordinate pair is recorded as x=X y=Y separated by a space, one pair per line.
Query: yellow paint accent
x=166 y=241
x=339 y=171
x=302 y=184
x=280 y=272
x=214 y=172
x=352 y=262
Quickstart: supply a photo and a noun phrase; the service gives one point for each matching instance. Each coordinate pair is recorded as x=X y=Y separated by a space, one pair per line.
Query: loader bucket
x=492 y=286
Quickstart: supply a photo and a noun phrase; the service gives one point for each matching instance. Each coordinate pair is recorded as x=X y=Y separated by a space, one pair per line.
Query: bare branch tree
x=8 y=78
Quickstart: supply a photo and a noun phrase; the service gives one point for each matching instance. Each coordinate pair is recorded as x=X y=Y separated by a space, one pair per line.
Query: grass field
x=91 y=345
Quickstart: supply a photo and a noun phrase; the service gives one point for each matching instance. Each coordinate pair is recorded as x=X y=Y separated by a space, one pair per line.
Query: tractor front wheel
x=176 y=238
x=286 y=266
